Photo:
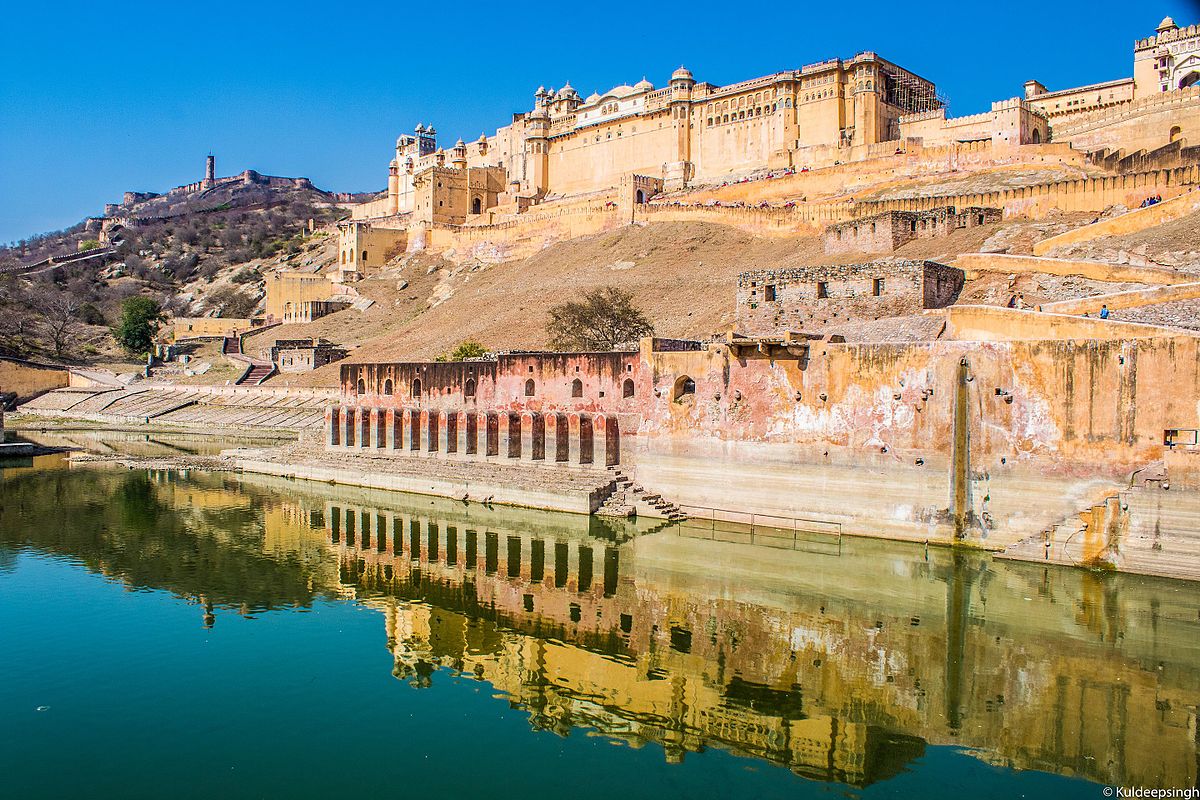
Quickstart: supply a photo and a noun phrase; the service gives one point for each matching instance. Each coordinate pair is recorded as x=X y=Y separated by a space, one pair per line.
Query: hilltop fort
x=632 y=143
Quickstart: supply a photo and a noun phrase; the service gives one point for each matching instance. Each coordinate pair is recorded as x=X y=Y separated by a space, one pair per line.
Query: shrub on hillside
x=605 y=318
x=140 y=318
x=468 y=349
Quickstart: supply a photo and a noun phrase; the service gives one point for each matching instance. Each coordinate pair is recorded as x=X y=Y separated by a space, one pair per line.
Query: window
x=416 y=388
x=822 y=290
x=576 y=388
x=362 y=386
x=770 y=294
x=530 y=387
x=877 y=287
x=387 y=386
x=364 y=255
x=627 y=388
x=684 y=386
x=469 y=388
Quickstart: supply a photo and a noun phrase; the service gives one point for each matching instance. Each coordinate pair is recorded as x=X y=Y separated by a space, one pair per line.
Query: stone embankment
x=580 y=491
x=206 y=408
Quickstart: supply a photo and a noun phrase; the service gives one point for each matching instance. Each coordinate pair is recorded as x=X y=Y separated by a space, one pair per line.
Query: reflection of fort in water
x=841 y=664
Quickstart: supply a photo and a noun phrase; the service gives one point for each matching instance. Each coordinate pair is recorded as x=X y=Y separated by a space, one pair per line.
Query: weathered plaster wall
x=1137 y=220
x=995 y=324
x=975 y=263
x=1118 y=300
x=27 y=379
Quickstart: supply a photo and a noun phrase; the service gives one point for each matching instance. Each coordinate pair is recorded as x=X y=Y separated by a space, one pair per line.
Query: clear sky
x=98 y=98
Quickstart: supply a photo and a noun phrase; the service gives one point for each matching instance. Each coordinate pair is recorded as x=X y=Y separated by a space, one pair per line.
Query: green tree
x=468 y=349
x=605 y=318
x=140 y=318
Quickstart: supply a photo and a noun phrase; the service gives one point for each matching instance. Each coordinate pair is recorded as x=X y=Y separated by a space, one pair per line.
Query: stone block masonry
x=770 y=302
x=885 y=232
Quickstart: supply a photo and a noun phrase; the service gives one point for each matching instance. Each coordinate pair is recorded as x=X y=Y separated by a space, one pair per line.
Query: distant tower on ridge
x=210 y=172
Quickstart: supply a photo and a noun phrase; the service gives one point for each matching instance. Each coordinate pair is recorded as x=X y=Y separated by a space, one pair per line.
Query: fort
x=621 y=148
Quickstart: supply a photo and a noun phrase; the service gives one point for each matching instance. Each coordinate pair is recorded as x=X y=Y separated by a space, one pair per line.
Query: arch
x=415 y=390
x=1037 y=136
x=683 y=387
x=387 y=386
x=1176 y=134
x=469 y=388
x=361 y=387
x=1191 y=79
x=530 y=388
x=364 y=256
x=639 y=197
x=477 y=206
x=627 y=388
x=577 y=388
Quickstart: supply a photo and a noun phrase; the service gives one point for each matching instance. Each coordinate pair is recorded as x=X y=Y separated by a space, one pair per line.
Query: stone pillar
x=429 y=423
x=468 y=434
x=510 y=435
x=412 y=429
x=448 y=432
x=490 y=435
x=333 y=421
x=558 y=437
x=586 y=448
x=379 y=420
x=364 y=427
x=573 y=438
x=608 y=439
x=533 y=437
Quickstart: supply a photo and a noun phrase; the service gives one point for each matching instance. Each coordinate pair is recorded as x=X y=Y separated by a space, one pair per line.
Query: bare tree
x=59 y=315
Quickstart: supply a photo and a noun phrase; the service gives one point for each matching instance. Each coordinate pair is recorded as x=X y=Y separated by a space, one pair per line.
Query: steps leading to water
x=630 y=500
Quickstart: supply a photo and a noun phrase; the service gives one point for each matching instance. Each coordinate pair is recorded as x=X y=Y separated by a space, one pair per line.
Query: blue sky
x=98 y=98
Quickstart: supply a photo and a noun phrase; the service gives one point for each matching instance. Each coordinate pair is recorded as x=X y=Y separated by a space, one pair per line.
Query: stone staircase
x=630 y=500
x=258 y=370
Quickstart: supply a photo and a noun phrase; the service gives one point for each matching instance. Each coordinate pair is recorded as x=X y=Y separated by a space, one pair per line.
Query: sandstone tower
x=210 y=172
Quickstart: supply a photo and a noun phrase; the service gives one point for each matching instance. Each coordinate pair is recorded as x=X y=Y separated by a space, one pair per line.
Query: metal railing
x=771 y=530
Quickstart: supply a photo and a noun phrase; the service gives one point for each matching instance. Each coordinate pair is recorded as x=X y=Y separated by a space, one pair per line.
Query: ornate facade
x=688 y=130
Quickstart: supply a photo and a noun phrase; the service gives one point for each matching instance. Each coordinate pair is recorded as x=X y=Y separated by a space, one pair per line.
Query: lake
x=219 y=635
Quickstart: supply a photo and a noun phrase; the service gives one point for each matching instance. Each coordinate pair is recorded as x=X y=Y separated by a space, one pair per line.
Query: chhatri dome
x=594 y=97
x=1167 y=24
x=682 y=74
x=644 y=85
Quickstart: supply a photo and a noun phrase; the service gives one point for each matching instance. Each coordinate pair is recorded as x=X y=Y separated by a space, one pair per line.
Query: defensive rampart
x=975 y=263
x=1139 y=219
x=1121 y=300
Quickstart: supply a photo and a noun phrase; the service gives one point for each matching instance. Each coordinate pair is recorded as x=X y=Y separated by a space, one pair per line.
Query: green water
x=231 y=636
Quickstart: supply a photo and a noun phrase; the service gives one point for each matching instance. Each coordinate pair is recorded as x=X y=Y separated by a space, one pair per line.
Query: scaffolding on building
x=908 y=92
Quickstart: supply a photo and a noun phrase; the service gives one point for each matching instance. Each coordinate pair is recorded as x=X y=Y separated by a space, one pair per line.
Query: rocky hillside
x=203 y=255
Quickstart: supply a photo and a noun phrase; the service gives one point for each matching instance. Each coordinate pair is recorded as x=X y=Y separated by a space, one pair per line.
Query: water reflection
x=840 y=663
